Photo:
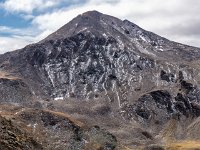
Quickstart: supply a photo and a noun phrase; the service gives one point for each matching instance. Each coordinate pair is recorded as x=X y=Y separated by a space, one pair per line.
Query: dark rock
x=127 y=32
x=147 y=135
x=112 y=77
x=143 y=112
x=169 y=77
x=154 y=147
x=195 y=109
x=184 y=99
x=180 y=74
x=180 y=106
x=162 y=98
x=14 y=91
x=187 y=86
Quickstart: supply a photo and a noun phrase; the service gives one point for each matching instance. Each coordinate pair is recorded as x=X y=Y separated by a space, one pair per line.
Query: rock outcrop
x=103 y=70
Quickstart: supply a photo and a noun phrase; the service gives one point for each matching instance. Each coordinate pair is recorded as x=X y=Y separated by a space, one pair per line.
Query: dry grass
x=6 y=75
x=124 y=148
x=78 y=123
x=9 y=111
x=184 y=145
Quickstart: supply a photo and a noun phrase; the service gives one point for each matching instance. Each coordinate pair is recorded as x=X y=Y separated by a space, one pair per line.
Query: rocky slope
x=25 y=128
x=105 y=71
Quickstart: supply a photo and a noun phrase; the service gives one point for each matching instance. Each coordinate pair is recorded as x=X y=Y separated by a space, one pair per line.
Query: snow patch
x=51 y=76
x=82 y=30
x=105 y=35
x=143 y=38
x=58 y=98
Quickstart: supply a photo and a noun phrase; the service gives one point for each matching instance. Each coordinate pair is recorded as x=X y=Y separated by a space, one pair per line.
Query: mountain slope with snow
x=98 y=67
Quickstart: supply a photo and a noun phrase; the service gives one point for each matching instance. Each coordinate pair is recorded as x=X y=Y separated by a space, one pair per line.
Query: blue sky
x=28 y=21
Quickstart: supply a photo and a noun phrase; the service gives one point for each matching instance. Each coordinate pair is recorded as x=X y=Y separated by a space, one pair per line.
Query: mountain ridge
x=108 y=72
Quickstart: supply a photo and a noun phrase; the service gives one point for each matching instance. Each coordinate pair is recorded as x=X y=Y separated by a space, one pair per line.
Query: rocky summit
x=100 y=83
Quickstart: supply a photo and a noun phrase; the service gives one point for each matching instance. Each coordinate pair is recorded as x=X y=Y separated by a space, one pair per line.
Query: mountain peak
x=93 y=21
x=92 y=13
x=93 y=24
x=107 y=72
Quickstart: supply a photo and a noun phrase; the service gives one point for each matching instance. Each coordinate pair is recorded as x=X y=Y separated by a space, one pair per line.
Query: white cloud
x=19 y=40
x=161 y=17
x=28 y=6
x=155 y=15
x=11 y=43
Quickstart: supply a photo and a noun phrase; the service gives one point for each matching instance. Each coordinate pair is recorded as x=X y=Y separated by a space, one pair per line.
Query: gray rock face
x=14 y=91
x=96 y=56
x=35 y=129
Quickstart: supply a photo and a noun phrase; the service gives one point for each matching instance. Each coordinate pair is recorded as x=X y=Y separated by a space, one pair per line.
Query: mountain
x=141 y=87
x=26 y=128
